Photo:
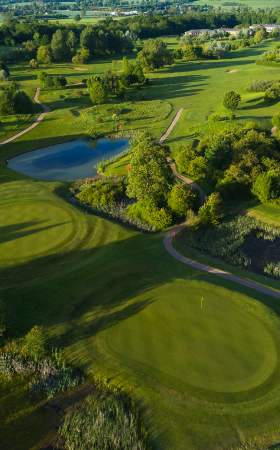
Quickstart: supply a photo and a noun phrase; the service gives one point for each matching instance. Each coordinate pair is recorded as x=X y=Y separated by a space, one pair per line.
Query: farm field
x=199 y=354
x=252 y=3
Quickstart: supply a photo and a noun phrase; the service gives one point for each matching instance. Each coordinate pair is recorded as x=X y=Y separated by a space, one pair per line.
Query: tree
x=150 y=176
x=219 y=152
x=181 y=199
x=30 y=48
x=77 y=18
x=44 y=55
x=35 y=343
x=98 y=93
x=110 y=81
x=231 y=100
x=87 y=39
x=154 y=55
x=85 y=54
x=63 y=44
x=276 y=121
x=3 y=66
x=23 y=103
x=211 y=210
x=266 y=187
x=42 y=76
x=260 y=35
x=33 y=64
x=7 y=103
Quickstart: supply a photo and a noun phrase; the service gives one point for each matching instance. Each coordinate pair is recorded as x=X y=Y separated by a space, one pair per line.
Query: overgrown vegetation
x=105 y=422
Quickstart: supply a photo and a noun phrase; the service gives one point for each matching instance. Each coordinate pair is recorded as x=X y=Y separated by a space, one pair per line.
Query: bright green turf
x=219 y=347
x=43 y=227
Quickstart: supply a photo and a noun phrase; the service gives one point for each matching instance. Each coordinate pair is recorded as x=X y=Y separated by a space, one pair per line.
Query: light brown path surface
x=167 y=242
x=170 y=128
x=37 y=121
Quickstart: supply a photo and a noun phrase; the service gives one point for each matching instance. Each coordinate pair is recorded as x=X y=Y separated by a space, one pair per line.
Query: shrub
x=181 y=199
x=78 y=93
x=104 y=193
x=214 y=117
x=148 y=212
x=99 y=119
x=266 y=187
x=23 y=103
x=211 y=210
x=3 y=75
x=256 y=85
x=92 y=132
x=78 y=59
x=231 y=116
x=35 y=343
x=33 y=64
x=231 y=100
x=276 y=121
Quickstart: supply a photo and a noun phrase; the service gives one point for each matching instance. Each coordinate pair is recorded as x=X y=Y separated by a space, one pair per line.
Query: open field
x=253 y=3
x=205 y=373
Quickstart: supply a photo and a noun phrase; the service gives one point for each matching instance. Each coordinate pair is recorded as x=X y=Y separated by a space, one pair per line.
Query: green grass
x=118 y=304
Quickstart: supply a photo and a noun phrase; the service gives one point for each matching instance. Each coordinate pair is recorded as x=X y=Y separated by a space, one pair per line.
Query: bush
x=33 y=64
x=147 y=212
x=23 y=103
x=181 y=199
x=231 y=100
x=35 y=343
x=231 y=116
x=78 y=59
x=104 y=193
x=266 y=187
x=3 y=76
x=92 y=132
x=211 y=210
x=276 y=121
x=214 y=117
x=78 y=93
x=257 y=86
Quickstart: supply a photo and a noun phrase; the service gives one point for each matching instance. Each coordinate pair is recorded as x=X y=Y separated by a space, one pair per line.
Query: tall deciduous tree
x=98 y=93
x=44 y=55
x=150 y=176
x=154 y=55
x=219 y=152
x=63 y=44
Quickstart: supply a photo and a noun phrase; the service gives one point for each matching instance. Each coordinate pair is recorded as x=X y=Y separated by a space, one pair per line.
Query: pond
x=69 y=161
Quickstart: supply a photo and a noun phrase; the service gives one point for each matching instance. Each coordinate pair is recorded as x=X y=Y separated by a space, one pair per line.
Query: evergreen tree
x=98 y=93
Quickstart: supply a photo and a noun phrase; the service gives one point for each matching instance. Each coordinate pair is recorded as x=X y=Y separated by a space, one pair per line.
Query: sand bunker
x=78 y=68
x=205 y=64
x=230 y=71
x=74 y=84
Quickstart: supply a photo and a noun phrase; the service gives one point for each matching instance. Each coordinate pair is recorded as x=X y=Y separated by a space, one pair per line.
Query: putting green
x=33 y=228
x=220 y=347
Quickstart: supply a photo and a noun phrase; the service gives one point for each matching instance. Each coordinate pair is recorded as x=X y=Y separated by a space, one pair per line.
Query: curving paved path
x=37 y=121
x=167 y=240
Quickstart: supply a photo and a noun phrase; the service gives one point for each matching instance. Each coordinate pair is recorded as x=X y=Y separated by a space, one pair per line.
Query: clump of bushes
x=257 y=85
x=214 y=117
x=105 y=191
x=30 y=356
x=15 y=102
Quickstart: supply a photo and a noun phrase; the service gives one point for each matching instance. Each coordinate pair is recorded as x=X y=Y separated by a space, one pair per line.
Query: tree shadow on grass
x=6 y=235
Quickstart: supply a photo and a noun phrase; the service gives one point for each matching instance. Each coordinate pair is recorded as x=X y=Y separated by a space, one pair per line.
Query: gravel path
x=167 y=240
x=37 y=121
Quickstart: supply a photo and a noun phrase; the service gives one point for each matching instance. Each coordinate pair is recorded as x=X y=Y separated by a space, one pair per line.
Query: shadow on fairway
x=10 y=233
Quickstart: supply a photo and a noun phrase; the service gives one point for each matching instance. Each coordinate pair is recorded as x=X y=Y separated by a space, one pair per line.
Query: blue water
x=68 y=161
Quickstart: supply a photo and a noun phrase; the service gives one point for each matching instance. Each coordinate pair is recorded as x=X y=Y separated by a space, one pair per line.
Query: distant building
x=269 y=27
x=233 y=31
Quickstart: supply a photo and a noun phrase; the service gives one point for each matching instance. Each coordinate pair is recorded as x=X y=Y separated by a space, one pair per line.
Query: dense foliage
x=105 y=191
x=233 y=158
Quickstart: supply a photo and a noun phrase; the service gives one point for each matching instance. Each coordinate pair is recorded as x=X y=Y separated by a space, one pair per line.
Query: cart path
x=37 y=121
x=171 y=126
x=167 y=240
